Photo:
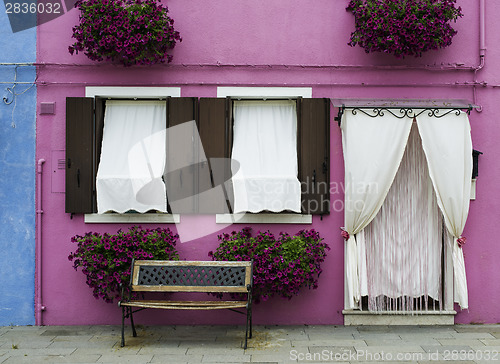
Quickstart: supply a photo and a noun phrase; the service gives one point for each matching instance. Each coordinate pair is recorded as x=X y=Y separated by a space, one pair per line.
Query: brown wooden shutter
x=100 y=109
x=79 y=154
x=314 y=153
x=181 y=157
x=215 y=128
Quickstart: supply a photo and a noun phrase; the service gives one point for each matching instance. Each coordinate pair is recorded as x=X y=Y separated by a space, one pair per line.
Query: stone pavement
x=270 y=344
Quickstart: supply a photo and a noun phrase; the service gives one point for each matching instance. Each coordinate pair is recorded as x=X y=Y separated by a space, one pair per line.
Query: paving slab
x=491 y=342
x=221 y=358
x=177 y=359
x=331 y=342
x=427 y=334
x=473 y=343
x=374 y=335
x=125 y=358
x=473 y=335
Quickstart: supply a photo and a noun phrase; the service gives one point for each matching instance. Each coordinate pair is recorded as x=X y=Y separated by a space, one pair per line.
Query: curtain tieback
x=461 y=241
x=344 y=233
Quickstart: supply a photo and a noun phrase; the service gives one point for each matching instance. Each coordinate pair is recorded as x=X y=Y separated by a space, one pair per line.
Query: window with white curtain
x=132 y=162
x=265 y=147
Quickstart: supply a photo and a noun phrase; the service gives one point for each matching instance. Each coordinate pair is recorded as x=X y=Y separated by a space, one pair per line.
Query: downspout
x=39 y=306
x=482 y=50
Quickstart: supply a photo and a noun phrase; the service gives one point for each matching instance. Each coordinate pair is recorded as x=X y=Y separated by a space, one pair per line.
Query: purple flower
x=403 y=27
x=105 y=259
x=282 y=266
x=108 y=30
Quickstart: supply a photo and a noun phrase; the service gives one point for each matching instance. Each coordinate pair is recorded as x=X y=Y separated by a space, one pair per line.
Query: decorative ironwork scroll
x=402 y=112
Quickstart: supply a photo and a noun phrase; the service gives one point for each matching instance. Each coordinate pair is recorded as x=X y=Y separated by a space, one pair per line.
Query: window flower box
x=403 y=27
x=282 y=265
x=130 y=32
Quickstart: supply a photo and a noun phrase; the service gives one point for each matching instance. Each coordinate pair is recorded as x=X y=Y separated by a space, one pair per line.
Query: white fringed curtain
x=447 y=144
x=265 y=146
x=373 y=149
x=132 y=163
x=403 y=242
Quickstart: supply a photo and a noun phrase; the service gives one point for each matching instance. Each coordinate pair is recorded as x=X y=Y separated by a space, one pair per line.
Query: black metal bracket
x=402 y=112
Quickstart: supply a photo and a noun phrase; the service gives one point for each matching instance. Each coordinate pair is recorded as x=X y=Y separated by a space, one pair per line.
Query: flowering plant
x=127 y=31
x=282 y=266
x=403 y=27
x=106 y=259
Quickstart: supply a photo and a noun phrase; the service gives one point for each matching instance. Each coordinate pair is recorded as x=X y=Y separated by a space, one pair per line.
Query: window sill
x=356 y=318
x=263 y=219
x=132 y=218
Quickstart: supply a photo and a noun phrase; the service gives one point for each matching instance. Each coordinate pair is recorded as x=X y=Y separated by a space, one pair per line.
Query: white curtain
x=132 y=161
x=265 y=146
x=448 y=146
x=373 y=149
x=403 y=242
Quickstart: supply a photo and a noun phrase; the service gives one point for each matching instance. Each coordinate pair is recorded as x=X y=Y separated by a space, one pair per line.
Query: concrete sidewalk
x=270 y=344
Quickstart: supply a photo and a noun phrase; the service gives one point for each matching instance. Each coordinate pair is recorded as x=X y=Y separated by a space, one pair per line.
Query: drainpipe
x=482 y=49
x=39 y=306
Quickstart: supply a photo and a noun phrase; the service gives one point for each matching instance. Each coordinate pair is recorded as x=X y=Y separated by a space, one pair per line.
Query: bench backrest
x=191 y=276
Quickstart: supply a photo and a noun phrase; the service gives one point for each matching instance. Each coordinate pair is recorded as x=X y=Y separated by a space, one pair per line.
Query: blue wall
x=17 y=176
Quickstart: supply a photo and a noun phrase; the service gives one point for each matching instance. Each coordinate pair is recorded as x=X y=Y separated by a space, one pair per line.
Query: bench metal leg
x=248 y=330
x=123 y=327
x=134 y=333
x=250 y=334
x=246 y=336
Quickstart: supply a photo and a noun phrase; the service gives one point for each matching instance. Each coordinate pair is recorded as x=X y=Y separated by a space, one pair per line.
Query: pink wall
x=282 y=34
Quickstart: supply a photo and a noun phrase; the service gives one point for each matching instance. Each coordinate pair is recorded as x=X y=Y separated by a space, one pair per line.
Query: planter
x=403 y=27
x=130 y=32
x=283 y=266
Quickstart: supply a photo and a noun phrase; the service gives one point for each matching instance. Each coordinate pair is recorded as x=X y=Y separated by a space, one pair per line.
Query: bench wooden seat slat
x=186 y=305
x=189 y=277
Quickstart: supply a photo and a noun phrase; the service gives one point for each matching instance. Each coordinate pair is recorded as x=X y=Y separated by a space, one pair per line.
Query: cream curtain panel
x=265 y=146
x=447 y=144
x=129 y=175
x=373 y=149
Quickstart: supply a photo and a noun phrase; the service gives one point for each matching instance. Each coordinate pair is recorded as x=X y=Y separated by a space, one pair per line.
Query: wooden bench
x=189 y=276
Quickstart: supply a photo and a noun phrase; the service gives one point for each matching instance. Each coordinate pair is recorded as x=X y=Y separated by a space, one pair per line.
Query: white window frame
x=264 y=93
x=132 y=92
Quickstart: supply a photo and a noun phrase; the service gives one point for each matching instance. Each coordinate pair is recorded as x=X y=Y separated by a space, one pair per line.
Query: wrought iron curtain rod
x=401 y=112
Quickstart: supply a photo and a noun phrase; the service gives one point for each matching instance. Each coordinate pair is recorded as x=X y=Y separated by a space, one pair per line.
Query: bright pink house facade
x=264 y=48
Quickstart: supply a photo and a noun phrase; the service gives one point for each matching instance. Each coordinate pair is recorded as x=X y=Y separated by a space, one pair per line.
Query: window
x=132 y=163
x=214 y=121
x=265 y=147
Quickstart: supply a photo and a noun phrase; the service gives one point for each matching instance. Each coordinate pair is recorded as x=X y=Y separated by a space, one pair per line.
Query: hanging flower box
x=130 y=32
x=403 y=27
